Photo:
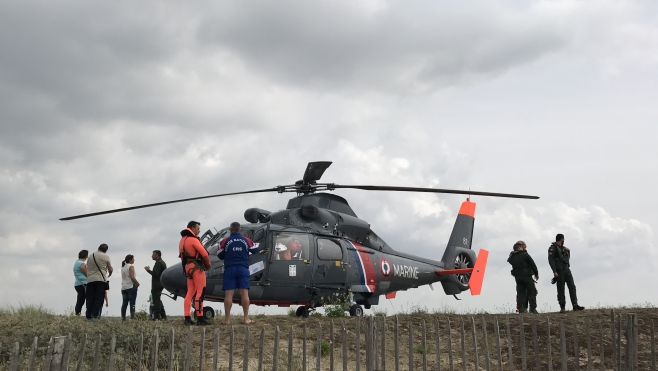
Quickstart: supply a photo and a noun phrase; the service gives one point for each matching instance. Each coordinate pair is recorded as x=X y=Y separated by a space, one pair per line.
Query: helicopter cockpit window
x=291 y=246
x=329 y=250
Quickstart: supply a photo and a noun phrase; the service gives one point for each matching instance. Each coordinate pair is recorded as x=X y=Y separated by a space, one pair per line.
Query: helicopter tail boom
x=458 y=258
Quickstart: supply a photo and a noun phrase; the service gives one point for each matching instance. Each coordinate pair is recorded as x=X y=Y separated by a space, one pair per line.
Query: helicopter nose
x=173 y=279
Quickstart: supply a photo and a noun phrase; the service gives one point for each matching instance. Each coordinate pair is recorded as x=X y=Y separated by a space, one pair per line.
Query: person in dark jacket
x=558 y=258
x=523 y=268
x=156 y=285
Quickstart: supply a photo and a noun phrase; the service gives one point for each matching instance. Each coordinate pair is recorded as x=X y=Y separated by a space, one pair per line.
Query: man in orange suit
x=196 y=262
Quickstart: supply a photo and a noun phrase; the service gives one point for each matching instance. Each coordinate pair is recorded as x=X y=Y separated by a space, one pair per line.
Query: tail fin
x=458 y=253
x=477 y=277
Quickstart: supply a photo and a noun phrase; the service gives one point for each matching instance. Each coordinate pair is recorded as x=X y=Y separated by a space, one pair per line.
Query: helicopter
x=318 y=252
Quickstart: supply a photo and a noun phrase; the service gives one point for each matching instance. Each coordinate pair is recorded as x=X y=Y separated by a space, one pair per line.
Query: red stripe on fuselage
x=368 y=266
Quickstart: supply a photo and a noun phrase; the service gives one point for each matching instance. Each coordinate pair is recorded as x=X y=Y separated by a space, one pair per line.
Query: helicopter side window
x=329 y=250
x=259 y=235
x=291 y=246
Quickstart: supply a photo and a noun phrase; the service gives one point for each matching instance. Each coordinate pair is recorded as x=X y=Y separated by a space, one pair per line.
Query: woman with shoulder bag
x=129 y=286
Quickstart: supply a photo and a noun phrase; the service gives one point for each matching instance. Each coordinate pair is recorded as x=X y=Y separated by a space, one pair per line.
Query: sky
x=107 y=105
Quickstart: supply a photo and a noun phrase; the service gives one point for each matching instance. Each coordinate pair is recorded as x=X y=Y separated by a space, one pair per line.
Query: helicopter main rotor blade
x=314 y=171
x=166 y=203
x=431 y=190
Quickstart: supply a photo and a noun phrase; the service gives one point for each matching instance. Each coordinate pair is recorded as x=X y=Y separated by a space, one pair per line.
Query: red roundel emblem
x=385 y=267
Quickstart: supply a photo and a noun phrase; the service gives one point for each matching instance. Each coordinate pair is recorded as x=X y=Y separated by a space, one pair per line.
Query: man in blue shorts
x=234 y=250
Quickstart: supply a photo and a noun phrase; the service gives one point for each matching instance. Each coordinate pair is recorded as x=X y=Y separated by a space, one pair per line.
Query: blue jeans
x=129 y=295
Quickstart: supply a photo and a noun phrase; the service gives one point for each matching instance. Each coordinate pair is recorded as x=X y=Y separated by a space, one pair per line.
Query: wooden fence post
x=602 y=346
x=245 y=359
x=140 y=351
x=563 y=346
x=653 y=347
x=424 y=345
x=375 y=342
x=172 y=342
x=358 y=343
x=475 y=346
x=548 y=344
x=290 y=356
x=396 y=344
x=49 y=355
x=154 y=350
x=497 y=337
x=81 y=352
x=631 y=342
x=124 y=364
x=618 y=345
x=344 y=340
x=535 y=345
x=411 y=346
x=449 y=330
x=485 y=336
x=613 y=330
x=67 y=353
x=331 y=345
x=275 y=356
x=463 y=343
x=97 y=354
x=318 y=347
x=576 y=348
x=231 y=343
x=524 y=360
x=509 y=343
x=15 y=352
x=33 y=353
x=110 y=361
x=188 y=350
x=589 y=344
x=202 y=346
x=215 y=349
x=383 y=339
x=304 y=347
x=438 y=343
x=261 y=349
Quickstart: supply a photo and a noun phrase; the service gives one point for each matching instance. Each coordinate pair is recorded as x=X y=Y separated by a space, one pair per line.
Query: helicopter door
x=289 y=263
x=328 y=267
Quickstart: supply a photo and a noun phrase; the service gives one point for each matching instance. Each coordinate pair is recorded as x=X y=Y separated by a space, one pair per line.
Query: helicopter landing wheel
x=302 y=311
x=208 y=312
x=356 y=311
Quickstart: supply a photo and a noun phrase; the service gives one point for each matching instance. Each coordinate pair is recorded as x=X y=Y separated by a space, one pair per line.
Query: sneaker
x=202 y=321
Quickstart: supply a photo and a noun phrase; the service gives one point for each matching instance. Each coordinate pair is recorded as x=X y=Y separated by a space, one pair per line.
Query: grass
x=30 y=311
x=22 y=323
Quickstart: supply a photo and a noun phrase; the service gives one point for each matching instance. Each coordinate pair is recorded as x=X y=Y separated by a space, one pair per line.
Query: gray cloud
x=104 y=106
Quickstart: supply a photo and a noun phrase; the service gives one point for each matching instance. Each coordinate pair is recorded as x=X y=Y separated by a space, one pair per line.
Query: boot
x=562 y=310
x=202 y=321
x=188 y=321
x=578 y=307
x=533 y=304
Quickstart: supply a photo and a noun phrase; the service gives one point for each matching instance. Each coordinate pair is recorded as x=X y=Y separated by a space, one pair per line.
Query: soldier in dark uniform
x=558 y=258
x=523 y=268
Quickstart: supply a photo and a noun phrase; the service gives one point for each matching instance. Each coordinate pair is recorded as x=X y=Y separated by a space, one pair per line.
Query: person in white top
x=129 y=286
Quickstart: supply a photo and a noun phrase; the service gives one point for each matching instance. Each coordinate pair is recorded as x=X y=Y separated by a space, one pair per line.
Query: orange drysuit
x=196 y=261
